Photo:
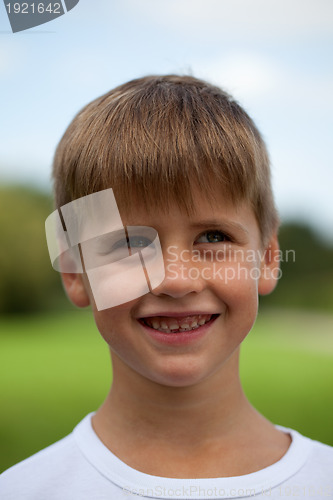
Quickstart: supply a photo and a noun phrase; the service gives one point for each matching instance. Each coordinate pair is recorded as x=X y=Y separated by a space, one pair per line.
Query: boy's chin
x=182 y=374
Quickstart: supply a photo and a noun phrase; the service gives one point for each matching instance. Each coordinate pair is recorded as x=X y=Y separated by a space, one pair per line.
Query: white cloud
x=256 y=80
x=244 y=74
x=237 y=19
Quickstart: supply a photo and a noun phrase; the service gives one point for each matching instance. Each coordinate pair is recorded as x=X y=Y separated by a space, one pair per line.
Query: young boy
x=166 y=215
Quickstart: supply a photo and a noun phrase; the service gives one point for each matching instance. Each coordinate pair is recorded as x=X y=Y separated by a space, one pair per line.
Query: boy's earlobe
x=76 y=289
x=270 y=267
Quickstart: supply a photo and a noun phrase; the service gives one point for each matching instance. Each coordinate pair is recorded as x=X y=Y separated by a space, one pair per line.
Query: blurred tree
x=27 y=280
x=307 y=270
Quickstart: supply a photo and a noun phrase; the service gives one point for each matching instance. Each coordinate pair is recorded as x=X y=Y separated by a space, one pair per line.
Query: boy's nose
x=181 y=278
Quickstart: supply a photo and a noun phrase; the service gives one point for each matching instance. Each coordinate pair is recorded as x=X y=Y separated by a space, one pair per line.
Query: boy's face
x=213 y=259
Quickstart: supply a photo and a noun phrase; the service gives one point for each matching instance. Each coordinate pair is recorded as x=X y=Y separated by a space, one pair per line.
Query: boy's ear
x=76 y=289
x=270 y=267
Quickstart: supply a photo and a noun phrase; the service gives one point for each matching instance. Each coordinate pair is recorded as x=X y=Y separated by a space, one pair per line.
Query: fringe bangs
x=154 y=138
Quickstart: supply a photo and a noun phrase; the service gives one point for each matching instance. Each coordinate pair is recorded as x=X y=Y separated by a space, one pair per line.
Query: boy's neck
x=215 y=406
x=141 y=419
x=140 y=411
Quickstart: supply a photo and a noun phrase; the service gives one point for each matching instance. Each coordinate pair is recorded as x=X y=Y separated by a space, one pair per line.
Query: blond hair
x=158 y=135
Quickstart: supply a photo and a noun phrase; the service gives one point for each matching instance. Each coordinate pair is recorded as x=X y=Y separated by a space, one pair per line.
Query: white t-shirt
x=81 y=467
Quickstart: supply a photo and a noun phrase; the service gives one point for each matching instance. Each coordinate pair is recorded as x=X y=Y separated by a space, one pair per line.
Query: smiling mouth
x=166 y=324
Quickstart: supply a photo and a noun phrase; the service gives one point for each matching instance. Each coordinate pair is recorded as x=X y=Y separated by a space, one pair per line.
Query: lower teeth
x=177 y=331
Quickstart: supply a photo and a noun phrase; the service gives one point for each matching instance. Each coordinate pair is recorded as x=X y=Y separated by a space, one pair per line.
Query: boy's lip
x=182 y=336
x=171 y=322
x=182 y=314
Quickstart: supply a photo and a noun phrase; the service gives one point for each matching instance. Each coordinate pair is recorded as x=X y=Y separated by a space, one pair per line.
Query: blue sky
x=274 y=56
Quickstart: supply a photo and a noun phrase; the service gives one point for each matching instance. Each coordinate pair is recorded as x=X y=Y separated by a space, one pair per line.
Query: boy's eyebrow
x=219 y=224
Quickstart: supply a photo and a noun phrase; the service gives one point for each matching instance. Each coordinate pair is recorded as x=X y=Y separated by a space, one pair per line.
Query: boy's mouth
x=167 y=324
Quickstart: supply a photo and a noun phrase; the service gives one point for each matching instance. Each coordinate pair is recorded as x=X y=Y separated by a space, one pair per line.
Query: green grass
x=56 y=369
x=287 y=371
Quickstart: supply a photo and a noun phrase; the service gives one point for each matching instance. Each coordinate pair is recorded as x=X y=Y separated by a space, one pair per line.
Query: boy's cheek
x=127 y=279
x=233 y=274
x=116 y=327
x=110 y=289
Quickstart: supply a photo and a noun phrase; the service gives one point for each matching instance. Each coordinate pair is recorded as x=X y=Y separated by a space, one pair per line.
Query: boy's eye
x=134 y=242
x=212 y=237
x=114 y=246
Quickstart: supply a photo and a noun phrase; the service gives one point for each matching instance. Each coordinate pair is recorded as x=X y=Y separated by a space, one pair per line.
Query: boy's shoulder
x=322 y=454
x=316 y=452
x=62 y=471
x=32 y=477
x=59 y=471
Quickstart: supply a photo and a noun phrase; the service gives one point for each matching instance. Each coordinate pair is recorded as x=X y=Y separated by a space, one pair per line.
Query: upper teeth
x=167 y=324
